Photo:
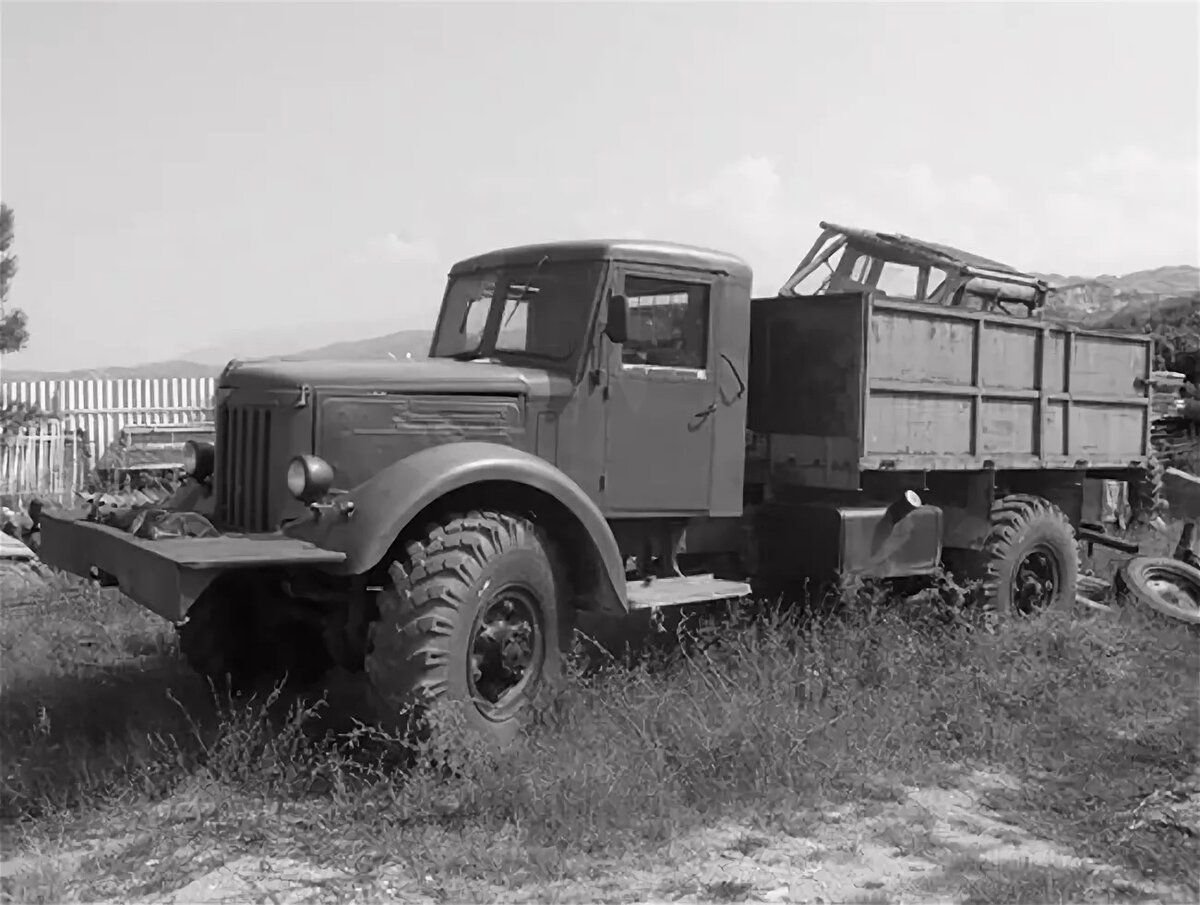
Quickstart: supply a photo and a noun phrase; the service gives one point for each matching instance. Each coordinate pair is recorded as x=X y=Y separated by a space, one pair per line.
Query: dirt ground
x=924 y=845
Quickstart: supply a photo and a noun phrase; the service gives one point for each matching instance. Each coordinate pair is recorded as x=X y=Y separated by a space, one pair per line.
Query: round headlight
x=309 y=478
x=198 y=458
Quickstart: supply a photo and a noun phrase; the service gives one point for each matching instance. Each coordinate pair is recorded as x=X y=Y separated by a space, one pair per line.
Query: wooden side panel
x=1008 y=358
x=1107 y=366
x=911 y=348
x=921 y=425
x=1100 y=431
x=966 y=390
x=1010 y=426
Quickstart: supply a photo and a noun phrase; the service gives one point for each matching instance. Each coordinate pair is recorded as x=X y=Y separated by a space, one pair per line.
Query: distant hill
x=1096 y=300
x=399 y=345
x=1177 y=311
x=150 y=369
x=1175 y=325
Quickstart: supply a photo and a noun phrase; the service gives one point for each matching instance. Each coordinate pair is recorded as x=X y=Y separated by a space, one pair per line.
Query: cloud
x=1124 y=209
x=747 y=200
x=391 y=248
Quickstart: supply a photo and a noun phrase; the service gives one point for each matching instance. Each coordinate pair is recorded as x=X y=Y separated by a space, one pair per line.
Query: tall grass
x=761 y=713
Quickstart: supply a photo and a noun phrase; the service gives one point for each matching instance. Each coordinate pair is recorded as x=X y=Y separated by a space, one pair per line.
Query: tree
x=13 y=332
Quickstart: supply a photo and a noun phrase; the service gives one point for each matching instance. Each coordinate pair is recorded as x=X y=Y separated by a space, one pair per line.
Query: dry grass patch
x=782 y=724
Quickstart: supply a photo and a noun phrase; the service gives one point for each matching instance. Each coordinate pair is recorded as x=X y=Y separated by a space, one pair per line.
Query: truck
x=603 y=427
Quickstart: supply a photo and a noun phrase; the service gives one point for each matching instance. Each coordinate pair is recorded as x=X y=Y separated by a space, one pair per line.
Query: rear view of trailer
x=852 y=383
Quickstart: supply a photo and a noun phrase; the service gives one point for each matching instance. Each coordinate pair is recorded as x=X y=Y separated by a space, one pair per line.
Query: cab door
x=661 y=407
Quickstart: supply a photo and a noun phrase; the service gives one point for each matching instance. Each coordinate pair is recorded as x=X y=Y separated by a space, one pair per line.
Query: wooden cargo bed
x=852 y=383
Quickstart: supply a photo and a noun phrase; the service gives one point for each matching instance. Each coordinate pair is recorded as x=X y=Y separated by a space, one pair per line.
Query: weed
x=982 y=883
x=785 y=714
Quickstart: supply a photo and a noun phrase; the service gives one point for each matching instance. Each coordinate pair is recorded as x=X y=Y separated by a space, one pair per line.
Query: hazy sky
x=182 y=172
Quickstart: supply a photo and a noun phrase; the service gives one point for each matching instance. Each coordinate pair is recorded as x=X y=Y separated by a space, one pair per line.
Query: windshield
x=540 y=310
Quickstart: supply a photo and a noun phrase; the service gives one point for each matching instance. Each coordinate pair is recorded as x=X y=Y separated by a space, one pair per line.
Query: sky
x=210 y=175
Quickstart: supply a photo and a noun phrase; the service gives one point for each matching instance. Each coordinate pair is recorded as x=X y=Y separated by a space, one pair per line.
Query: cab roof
x=633 y=251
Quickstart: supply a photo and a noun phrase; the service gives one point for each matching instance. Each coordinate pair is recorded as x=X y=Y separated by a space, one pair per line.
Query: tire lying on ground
x=471 y=616
x=1031 y=558
x=1166 y=585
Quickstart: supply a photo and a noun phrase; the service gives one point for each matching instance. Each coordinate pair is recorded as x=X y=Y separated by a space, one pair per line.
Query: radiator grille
x=242 y=467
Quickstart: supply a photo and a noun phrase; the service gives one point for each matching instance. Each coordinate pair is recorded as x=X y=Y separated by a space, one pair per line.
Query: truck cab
x=642 y=345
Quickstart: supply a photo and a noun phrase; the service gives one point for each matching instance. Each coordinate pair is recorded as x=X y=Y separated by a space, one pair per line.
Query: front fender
x=385 y=504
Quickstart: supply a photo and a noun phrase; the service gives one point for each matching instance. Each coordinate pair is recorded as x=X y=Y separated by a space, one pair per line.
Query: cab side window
x=668 y=323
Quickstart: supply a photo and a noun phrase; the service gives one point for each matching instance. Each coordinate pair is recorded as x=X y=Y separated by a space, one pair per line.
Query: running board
x=659 y=592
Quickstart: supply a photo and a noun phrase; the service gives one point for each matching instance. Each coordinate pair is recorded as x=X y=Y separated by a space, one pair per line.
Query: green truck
x=608 y=426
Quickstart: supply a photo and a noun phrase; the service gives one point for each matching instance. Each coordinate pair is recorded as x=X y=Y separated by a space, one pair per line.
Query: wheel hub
x=505 y=650
x=1035 y=581
x=1174 y=592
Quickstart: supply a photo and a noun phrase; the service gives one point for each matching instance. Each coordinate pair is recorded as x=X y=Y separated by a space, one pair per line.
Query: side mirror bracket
x=616 y=324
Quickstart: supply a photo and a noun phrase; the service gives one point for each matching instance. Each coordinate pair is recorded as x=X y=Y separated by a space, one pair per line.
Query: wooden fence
x=100 y=408
x=34 y=462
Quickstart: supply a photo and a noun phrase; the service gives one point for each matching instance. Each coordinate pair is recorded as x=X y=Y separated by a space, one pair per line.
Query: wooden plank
x=965 y=390
x=899 y=425
x=956 y=462
x=680 y=591
x=1008 y=357
x=920 y=348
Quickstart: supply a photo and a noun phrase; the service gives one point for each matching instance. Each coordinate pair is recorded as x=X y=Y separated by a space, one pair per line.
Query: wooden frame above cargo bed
x=966 y=279
x=852 y=382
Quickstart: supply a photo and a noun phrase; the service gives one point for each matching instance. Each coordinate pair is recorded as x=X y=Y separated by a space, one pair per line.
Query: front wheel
x=471 y=617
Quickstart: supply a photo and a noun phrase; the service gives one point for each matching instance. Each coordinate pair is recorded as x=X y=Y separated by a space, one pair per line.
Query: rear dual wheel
x=471 y=616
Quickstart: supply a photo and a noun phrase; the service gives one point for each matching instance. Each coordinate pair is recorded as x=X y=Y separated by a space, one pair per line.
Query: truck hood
x=426 y=376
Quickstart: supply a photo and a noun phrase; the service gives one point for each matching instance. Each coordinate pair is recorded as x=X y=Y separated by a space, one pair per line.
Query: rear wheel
x=1031 y=558
x=471 y=617
x=1146 y=497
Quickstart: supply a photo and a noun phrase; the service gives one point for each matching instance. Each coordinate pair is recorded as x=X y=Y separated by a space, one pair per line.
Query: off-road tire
x=1025 y=527
x=420 y=648
x=1147 y=499
x=1147 y=577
